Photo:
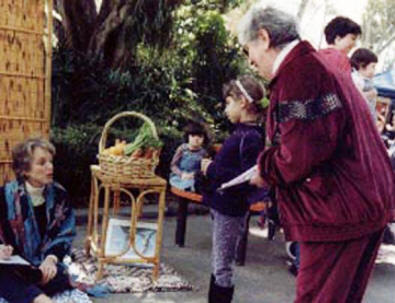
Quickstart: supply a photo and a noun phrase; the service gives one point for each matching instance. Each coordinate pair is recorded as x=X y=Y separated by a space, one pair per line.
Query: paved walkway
x=264 y=278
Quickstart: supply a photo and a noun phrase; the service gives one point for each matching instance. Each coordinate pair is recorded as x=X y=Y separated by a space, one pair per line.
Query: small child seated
x=186 y=160
x=364 y=63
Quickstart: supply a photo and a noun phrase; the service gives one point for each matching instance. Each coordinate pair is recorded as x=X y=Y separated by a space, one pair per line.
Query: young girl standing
x=229 y=208
x=186 y=160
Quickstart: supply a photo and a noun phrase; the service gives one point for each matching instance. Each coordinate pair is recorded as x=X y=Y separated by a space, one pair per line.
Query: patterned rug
x=126 y=278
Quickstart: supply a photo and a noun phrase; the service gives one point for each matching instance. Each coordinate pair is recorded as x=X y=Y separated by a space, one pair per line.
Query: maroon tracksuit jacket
x=330 y=169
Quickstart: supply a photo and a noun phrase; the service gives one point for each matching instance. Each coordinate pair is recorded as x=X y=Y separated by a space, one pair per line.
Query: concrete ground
x=264 y=278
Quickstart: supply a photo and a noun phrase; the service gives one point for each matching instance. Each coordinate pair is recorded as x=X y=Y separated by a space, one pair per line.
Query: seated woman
x=37 y=223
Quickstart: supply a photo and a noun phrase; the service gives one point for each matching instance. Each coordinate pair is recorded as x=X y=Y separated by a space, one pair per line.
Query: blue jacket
x=238 y=153
x=19 y=228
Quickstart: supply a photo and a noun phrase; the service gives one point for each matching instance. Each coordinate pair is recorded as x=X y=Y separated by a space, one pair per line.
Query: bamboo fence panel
x=25 y=74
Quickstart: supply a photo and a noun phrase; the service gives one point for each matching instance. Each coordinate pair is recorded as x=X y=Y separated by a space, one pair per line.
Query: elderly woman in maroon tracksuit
x=333 y=179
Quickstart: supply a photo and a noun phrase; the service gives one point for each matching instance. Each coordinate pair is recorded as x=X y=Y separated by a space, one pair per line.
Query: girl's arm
x=250 y=147
x=176 y=159
x=221 y=171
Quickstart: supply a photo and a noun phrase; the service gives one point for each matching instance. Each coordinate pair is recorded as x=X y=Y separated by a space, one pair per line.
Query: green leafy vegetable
x=144 y=139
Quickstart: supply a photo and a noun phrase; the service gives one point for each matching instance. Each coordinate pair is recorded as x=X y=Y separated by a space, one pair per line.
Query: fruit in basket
x=137 y=153
x=149 y=153
x=116 y=150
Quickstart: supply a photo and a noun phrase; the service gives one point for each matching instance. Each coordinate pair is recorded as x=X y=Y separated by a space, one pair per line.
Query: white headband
x=244 y=92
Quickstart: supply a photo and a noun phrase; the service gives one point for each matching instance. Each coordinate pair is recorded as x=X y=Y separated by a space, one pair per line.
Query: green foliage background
x=171 y=85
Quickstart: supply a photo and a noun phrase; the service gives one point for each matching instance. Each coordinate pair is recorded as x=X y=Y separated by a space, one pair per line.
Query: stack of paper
x=244 y=177
x=15 y=260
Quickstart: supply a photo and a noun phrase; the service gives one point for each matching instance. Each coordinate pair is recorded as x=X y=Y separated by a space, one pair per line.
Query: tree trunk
x=108 y=36
x=78 y=19
x=115 y=32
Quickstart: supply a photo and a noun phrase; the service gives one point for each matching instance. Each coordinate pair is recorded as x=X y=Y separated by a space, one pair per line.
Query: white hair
x=281 y=26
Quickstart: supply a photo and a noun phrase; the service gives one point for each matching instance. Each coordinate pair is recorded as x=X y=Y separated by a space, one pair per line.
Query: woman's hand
x=48 y=268
x=5 y=251
x=204 y=164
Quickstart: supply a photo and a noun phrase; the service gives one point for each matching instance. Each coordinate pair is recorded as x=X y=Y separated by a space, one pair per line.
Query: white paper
x=244 y=177
x=117 y=238
x=15 y=260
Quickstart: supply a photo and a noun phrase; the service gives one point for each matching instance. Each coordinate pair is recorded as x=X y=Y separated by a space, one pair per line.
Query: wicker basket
x=124 y=166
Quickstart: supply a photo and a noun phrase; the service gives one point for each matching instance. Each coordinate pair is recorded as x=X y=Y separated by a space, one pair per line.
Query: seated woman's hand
x=5 y=251
x=48 y=268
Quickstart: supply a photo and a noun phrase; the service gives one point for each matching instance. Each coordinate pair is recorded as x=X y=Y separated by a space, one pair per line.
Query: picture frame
x=118 y=234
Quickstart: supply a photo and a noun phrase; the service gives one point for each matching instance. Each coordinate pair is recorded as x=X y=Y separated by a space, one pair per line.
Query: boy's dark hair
x=196 y=128
x=362 y=57
x=340 y=26
x=253 y=88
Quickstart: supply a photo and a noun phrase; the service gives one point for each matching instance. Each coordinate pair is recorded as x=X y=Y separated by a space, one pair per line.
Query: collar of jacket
x=302 y=48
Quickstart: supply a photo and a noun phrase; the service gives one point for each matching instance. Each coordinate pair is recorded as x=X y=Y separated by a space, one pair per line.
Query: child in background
x=364 y=63
x=229 y=208
x=186 y=160
x=341 y=34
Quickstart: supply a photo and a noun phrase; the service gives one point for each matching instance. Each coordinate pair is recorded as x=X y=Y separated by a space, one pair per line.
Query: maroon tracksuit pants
x=336 y=272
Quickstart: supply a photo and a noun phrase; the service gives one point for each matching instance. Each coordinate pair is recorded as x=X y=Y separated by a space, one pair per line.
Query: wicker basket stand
x=116 y=176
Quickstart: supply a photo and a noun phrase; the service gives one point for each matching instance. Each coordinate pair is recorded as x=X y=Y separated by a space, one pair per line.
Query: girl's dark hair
x=253 y=88
x=362 y=57
x=340 y=26
x=196 y=128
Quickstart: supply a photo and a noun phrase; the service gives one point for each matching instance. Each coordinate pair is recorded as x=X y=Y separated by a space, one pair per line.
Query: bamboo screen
x=25 y=69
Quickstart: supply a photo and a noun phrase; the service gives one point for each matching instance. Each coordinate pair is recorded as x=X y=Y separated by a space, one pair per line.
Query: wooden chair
x=184 y=198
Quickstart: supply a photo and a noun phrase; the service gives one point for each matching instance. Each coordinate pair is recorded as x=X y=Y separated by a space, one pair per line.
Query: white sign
x=118 y=234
